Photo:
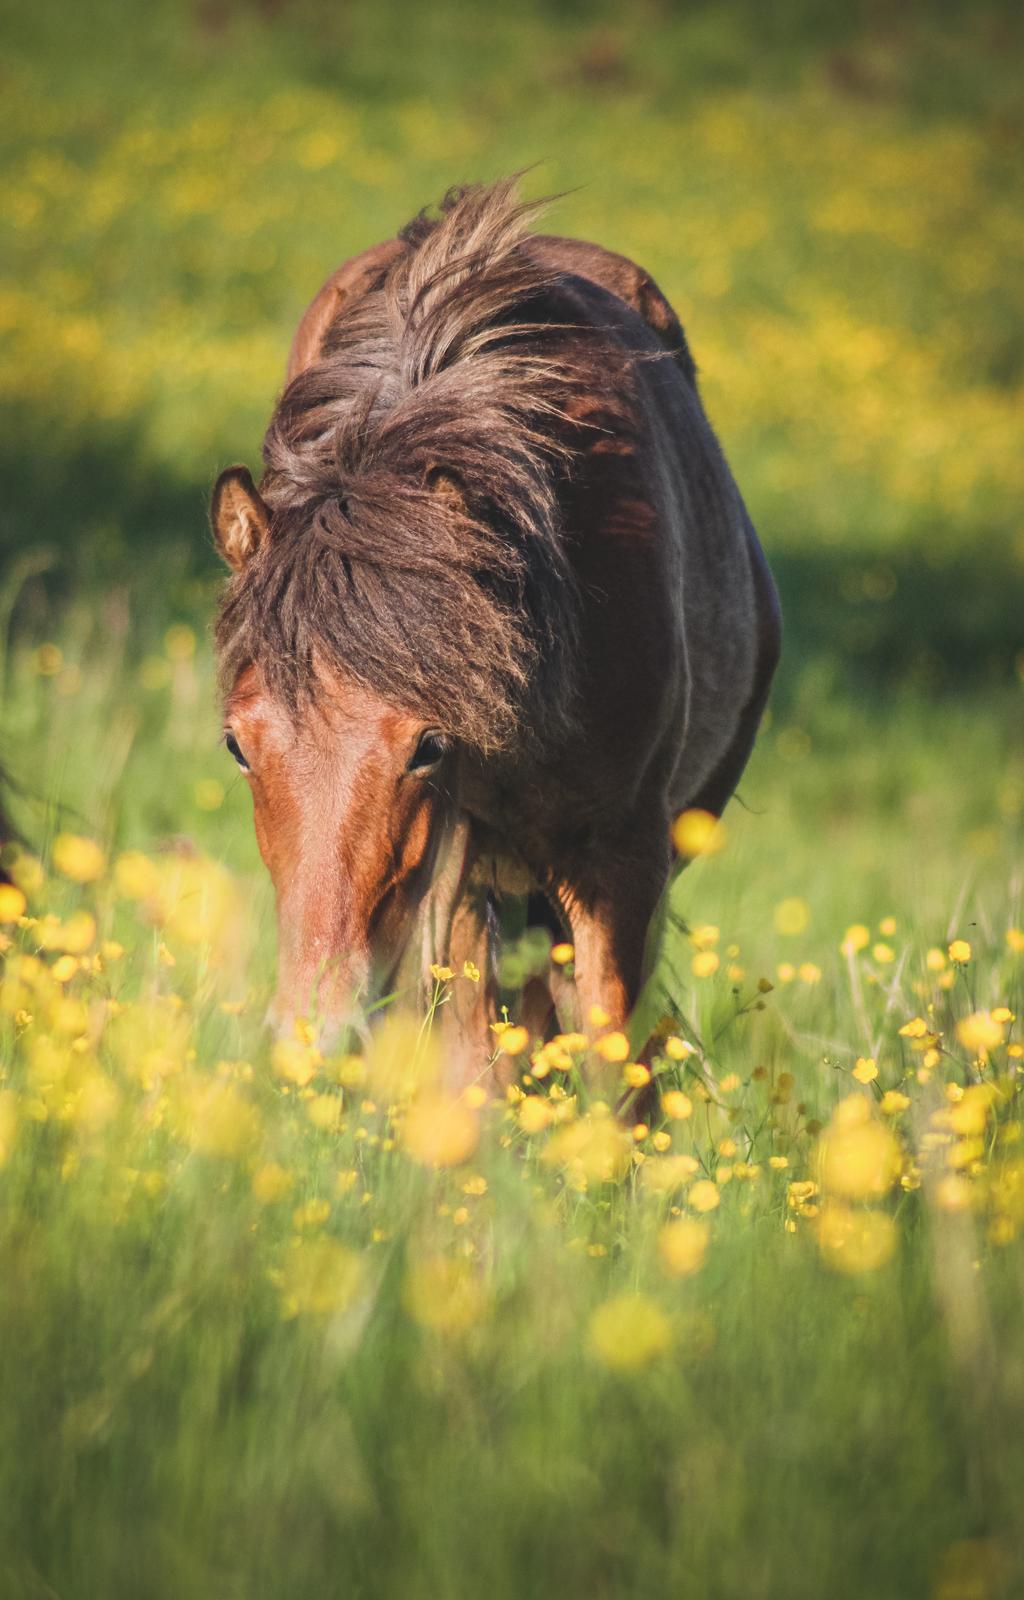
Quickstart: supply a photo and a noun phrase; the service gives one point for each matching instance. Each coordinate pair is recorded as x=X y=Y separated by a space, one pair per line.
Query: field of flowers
x=277 y=1323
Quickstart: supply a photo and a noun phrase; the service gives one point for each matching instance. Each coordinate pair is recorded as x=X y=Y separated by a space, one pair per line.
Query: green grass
x=211 y=1386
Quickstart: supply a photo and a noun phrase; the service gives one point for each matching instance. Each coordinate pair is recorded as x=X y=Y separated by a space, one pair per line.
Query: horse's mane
x=411 y=476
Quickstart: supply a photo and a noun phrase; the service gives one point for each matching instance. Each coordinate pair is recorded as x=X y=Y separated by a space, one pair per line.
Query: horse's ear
x=238 y=517
x=447 y=487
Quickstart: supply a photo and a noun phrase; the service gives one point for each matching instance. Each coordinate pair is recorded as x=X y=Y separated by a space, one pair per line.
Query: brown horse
x=498 y=614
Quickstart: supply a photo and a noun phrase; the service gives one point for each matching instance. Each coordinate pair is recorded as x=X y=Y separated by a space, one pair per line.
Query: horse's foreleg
x=466 y=1016
x=610 y=918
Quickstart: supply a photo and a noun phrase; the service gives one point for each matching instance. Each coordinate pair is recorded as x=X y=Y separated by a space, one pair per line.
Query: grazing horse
x=497 y=614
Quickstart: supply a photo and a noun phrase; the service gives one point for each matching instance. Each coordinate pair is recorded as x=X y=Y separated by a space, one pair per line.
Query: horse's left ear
x=238 y=517
x=446 y=486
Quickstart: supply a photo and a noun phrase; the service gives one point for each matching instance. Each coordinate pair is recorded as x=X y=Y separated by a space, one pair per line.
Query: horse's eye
x=233 y=750
x=428 y=753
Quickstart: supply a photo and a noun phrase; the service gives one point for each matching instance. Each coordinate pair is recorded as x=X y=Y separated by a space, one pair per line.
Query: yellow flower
x=312 y=1215
x=855 y=1241
x=893 y=1103
x=636 y=1074
x=613 y=1047
x=682 y=1246
x=792 y=916
x=441 y=974
x=471 y=971
x=440 y=1131
x=810 y=972
x=704 y=1195
x=705 y=963
x=562 y=954
x=698 y=833
x=475 y=1186
x=678 y=1049
x=1015 y=940
x=535 y=1114
x=78 y=858
x=969 y=1116
x=980 y=1032
x=865 y=1069
x=887 y=927
x=677 y=1105
x=858 y=1158
x=136 y=876
x=663 y=1174
x=270 y=1183
x=960 y=952
x=628 y=1331
x=935 y=960
x=856 y=938
x=324 y=1112
x=513 y=1041
x=12 y=903
x=296 y=1061
x=596 y=1148
x=704 y=936
x=883 y=953
x=916 y=1028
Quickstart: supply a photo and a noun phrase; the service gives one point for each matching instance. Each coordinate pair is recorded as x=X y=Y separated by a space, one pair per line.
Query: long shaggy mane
x=412 y=475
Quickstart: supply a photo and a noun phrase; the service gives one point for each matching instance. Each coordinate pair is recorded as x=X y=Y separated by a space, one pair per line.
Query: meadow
x=279 y=1323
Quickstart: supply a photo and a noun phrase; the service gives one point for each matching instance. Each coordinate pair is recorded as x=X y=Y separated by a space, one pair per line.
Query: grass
x=273 y=1328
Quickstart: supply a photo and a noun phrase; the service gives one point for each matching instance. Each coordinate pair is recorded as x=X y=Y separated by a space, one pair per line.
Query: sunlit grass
x=285 y=1279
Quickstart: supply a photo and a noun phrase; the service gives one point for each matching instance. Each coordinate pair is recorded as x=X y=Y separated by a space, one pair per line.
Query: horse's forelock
x=460 y=607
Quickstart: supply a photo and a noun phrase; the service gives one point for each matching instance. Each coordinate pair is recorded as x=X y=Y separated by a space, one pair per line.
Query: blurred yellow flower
x=271 y=1183
x=513 y=1041
x=856 y=938
x=296 y=1061
x=865 y=1069
x=704 y=1195
x=628 y=1331
x=705 y=963
x=78 y=858
x=980 y=1032
x=676 y=1105
x=682 y=1246
x=857 y=1157
x=562 y=954
x=613 y=1047
x=960 y=952
x=12 y=903
x=698 y=833
x=791 y=916
x=855 y=1241
x=440 y=1130
x=535 y=1114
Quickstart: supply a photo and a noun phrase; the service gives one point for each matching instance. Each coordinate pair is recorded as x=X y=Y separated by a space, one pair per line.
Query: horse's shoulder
x=622 y=277
x=348 y=284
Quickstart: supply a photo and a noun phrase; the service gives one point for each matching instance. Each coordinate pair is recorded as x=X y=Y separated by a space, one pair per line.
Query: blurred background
x=830 y=197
